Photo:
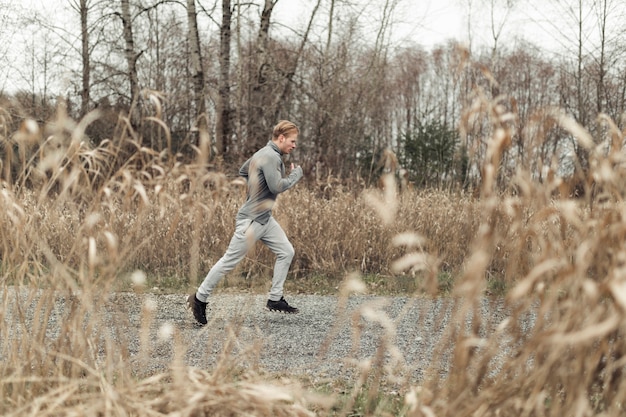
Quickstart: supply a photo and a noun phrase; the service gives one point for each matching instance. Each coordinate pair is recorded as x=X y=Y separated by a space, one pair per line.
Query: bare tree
x=410 y=69
x=223 y=109
x=5 y=32
x=273 y=64
x=610 y=15
x=349 y=87
x=568 y=22
x=257 y=124
x=499 y=13
x=469 y=5
x=293 y=65
x=129 y=50
x=197 y=71
x=529 y=79
x=83 y=7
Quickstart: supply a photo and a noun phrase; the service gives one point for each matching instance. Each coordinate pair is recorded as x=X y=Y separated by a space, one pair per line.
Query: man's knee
x=288 y=252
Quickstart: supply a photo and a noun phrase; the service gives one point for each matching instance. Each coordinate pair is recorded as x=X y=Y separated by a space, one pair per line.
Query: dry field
x=82 y=223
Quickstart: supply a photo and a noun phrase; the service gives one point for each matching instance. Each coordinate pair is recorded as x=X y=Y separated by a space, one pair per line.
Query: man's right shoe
x=198 y=308
x=281 y=306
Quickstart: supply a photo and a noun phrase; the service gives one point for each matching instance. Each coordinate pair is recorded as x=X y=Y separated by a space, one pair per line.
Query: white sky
x=424 y=21
x=431 y=22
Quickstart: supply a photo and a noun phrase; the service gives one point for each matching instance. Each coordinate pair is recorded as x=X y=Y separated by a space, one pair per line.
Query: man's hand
x=295 y=168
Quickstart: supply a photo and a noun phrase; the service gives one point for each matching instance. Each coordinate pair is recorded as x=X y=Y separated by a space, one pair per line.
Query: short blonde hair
x=284 y=127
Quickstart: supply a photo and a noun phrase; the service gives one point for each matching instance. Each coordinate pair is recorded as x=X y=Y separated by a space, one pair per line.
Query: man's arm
x=273 y=177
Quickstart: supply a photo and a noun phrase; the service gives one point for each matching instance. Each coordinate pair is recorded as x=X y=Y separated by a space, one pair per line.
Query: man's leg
x=276 y=239
x=242 y=240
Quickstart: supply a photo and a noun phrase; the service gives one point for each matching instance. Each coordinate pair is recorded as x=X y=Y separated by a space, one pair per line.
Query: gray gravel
x=325 y=340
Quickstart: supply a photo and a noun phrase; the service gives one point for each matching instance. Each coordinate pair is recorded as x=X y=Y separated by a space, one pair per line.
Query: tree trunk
x=582 y=113
x=223 y=122
x=129 y=50
x=85 y=95
x=603 y=15
x=197 y=76
x=257 y=124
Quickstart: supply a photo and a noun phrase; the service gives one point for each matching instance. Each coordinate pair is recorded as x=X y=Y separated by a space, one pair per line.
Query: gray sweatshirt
x=265 y=176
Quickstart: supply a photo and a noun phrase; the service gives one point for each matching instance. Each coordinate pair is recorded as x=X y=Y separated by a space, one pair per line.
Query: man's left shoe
x=198 y=308
x=281 y=306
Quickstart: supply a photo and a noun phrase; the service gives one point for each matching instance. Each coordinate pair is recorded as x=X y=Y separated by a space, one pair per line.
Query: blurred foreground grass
x=83 y=220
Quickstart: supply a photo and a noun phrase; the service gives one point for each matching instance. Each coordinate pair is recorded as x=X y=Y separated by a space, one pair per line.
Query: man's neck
x=276 y=147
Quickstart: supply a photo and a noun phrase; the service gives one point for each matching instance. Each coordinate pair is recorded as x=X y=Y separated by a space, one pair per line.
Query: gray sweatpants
x=247 y=232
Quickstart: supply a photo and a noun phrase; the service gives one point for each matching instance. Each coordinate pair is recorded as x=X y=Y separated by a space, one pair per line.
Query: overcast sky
x=432 y=22
x=424 y=21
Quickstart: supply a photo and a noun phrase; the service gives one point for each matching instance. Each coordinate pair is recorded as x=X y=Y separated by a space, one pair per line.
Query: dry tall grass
x=76 y=221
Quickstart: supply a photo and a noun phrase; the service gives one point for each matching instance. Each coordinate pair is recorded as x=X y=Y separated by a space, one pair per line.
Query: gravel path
x=321 y=341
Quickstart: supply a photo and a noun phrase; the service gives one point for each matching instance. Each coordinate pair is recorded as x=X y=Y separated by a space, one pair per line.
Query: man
x=265 y=178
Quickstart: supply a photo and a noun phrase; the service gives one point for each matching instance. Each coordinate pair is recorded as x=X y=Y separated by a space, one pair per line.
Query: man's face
x=287 y=143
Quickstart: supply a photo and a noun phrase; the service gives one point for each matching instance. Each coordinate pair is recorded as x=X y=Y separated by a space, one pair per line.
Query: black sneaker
x=198 y=308
x=281 y=305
